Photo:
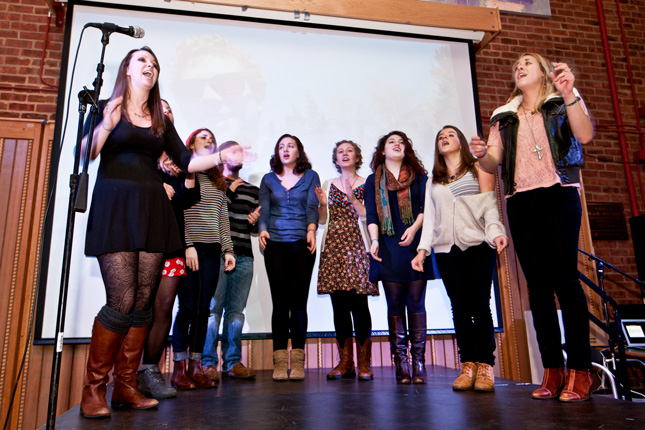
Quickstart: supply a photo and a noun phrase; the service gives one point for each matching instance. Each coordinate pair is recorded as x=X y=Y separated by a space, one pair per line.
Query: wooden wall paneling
x=23 y=179
x=415 y=12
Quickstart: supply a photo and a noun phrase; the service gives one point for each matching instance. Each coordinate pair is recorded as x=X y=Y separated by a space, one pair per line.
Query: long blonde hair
x=547 y=89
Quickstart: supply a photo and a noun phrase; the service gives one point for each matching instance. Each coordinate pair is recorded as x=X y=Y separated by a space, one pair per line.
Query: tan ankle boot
x=280 y=365
x=485 y=379
x=297 y=357
x=466 y=379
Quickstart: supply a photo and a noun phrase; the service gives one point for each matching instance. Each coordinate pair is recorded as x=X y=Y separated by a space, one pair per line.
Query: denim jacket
x=565 y=148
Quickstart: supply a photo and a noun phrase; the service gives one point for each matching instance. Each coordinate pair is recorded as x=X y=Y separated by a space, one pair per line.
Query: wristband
x=485 y=152
x=374 y=240
x=577 y=99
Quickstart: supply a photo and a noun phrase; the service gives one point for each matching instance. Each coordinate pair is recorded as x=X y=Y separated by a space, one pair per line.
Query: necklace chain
x=537 y=148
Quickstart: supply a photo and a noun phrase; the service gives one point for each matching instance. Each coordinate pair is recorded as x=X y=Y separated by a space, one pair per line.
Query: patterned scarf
x=388 y=182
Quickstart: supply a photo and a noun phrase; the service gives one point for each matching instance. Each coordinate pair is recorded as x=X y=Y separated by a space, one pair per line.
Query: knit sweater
x=464 y=221
x=207 y=220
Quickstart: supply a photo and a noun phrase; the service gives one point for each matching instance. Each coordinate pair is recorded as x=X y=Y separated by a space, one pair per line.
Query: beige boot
x=280 y=365
x=485 y=379
x=297 y=365
x=466 y=379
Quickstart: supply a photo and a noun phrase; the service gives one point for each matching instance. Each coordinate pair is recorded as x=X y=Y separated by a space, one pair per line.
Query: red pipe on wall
x=617 y=113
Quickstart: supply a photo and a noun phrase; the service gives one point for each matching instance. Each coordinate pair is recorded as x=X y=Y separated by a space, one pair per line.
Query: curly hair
x=214 y=174
x=357 y=151
x=154 y=106
x=301 y=165
x=410 y=159
x=440 y=170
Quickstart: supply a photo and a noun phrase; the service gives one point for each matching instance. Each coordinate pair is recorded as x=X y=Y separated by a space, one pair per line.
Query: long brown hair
x=302 y=164
x=547 y=89
x=214 y=174
x=121 y=88
x=440 y=170
x=410 y=158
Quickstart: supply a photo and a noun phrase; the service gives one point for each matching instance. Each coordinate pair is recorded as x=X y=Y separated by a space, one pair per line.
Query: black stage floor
x=380 y=404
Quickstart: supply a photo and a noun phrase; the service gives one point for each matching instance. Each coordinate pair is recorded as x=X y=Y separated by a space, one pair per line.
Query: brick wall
x=23 y=26
x=571 y=34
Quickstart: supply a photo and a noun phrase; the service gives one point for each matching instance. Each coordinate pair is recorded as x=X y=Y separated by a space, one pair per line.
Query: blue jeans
x=230 y=297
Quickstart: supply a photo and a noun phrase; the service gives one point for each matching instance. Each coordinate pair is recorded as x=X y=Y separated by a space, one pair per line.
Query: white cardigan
x=361 y=221
x=464 y=221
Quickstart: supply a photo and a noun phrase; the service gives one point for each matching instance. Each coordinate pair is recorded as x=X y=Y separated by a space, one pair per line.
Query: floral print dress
x=344 y=262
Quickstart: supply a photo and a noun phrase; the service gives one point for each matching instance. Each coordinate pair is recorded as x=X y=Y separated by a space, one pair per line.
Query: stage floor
x=317 y=403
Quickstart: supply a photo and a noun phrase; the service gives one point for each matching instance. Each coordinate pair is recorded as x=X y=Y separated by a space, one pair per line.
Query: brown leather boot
x=418 y=335
x=126 y=391
x=365 y=360
x=103 y=349
x=577 y=386
x=345 y=368
x=552 y=384
x=196 y=374
x=399 y=348
x=179 y=379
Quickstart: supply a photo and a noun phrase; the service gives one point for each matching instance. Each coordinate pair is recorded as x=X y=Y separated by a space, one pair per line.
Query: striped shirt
x=240 y=204
x=465 y=186
x=207 y=220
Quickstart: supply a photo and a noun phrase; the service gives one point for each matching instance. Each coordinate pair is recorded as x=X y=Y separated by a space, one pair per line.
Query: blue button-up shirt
x=286 y=213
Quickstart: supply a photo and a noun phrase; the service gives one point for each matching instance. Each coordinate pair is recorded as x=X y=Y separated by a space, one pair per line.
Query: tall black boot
x=418 y=331
x=399 y=348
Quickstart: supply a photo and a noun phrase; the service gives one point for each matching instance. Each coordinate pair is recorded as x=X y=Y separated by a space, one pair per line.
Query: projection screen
x=252 y=81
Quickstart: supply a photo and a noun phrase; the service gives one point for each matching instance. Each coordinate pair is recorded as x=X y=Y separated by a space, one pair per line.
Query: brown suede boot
x=365 y=360
x=577 y=386
x=126 y=390
x=466 y=379
x=280 y=365
x=179 y=379
x=399 y=348
x=196 y=374
x=103 y=349
x=346 y=367
x=297 y=364
x=552 y=384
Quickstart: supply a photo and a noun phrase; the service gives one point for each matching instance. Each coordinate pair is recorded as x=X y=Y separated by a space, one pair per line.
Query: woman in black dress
x=394 y=198
x=131 y=225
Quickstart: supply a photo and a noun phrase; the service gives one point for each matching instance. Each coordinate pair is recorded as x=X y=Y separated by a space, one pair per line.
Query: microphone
x=108 y=27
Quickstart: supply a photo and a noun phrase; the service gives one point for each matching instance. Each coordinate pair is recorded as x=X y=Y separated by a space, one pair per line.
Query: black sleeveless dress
x=130 y=210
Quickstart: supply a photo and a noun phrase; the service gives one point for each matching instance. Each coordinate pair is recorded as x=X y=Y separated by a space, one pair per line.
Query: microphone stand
x=78 y=185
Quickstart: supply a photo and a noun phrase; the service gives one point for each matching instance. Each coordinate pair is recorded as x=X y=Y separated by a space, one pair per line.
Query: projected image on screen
x=252 y=82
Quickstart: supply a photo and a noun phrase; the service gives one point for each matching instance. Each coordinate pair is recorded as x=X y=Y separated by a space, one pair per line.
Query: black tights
x=130 y=279
x=348 y=305
x=400 y=295
x=158 y=334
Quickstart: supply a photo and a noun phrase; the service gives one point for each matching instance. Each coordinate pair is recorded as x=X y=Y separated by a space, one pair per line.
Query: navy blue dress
x=396 y=266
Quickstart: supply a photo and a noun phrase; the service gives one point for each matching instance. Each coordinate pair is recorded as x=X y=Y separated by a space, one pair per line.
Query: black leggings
x=130 y=279
x=402 y=295
x=348 y=305
x=160 y=328
x=289 y=266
